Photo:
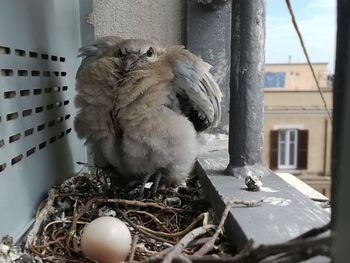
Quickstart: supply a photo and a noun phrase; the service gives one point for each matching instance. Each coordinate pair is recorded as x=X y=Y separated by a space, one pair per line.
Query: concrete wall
x=158 y=20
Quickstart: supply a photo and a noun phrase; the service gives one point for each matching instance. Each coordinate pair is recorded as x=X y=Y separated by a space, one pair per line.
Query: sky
x=317 y=23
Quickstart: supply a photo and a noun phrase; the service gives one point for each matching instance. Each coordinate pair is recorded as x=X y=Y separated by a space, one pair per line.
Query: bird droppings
x=278 y=201
x=268 y=189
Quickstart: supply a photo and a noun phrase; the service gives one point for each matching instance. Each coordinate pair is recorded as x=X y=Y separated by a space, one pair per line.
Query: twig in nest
x=200 y=218
x=153 y=217
x=314 y=232
x=210 y=244
x=136 y=227
x=133 y=248
x=39 y=220
x=306 y=248
x=177 y=249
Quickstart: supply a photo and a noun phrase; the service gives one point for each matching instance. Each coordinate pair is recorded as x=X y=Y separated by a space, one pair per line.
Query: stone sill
x=285 y=213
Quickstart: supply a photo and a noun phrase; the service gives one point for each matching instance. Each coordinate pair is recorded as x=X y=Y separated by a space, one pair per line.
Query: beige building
x=297 y=127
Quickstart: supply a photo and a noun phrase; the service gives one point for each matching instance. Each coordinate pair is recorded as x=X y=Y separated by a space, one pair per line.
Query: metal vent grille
x=38 y=147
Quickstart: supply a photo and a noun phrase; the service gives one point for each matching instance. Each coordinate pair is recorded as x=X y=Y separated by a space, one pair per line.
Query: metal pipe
x=341 y=138
x=246 y=87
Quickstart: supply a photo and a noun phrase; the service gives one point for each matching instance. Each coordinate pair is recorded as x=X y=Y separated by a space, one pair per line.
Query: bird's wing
x=198 y=93
x=96 y=49
x=96 y=81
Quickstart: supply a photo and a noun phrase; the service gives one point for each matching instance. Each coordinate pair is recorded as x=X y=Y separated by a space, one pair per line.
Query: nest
x=158 y=223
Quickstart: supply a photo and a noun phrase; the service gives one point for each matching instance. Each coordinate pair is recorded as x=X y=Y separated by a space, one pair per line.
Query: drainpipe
x=246 y=88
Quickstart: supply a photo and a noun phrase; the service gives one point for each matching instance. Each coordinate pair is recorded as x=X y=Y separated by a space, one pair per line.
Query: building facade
x=297 y=127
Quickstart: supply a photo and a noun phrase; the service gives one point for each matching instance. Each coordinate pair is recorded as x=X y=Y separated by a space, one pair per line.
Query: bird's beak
x=129 y=62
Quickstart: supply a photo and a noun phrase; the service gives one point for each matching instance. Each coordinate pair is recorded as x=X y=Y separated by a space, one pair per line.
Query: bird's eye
x=149 y=52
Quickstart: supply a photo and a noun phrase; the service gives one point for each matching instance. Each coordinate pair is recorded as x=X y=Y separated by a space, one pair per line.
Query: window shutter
x=274 y=150
x=303 y=140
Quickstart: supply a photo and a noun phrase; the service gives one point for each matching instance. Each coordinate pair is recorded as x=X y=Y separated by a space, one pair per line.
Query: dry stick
x=40 y=218
x=136 y=203
x=147 y=214
x=304 y=255
x=133 y=248
x=295 y=246
x=136 y=227
x=200 y=218
x=307 y=57
x=210 y=244
x=198 y=242
x=177 y=249
x=314 y=232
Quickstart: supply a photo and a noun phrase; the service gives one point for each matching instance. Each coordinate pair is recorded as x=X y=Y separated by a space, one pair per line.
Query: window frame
x=287 y=142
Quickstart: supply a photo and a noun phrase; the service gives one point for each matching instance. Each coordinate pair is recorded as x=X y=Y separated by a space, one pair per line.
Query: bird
x=140 y=107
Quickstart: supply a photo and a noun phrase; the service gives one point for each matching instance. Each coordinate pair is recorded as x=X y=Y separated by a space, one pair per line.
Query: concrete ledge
x=284 y=214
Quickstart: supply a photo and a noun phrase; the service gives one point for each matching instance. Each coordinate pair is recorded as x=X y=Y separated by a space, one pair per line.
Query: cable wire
x=308 y=58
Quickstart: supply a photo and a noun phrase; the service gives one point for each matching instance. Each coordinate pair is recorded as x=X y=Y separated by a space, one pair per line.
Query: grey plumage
x=140 y=106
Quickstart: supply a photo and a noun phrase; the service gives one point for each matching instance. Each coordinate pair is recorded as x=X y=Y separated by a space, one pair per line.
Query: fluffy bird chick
x=141 y=106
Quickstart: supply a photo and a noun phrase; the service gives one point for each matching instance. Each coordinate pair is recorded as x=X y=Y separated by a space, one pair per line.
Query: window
x=274 y=79
x=288 y=149
x=287 y=144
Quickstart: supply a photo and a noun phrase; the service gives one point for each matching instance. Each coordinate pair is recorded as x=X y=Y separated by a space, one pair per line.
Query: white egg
x=106 y=239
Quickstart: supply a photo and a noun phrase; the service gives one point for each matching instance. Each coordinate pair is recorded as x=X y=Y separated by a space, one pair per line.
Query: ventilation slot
x=28 y=132
x=42 y=145
x=35 y=73
x=49 y=107
x=58 y=104
x=9 y=94
x=68 y=130
x=59 y=136
x=16 y=159
x=59 y=119
x=22 y=72
x=33 y=54
x=51 y=123
x=56 y=89
x=2 y=143
x=41 y=127
x=30 y=151
x=14 y=138
x=20 y=52
x=62 y=59
x=67 y=117
x=52 y=139
x=27 y=112
x=64 y=88
x=66 y=102
x=24 y=92
x=2 y=167
x=63 y=74
x=39 y=109
x=54 y=58
x=12 y=116
x=6 y=72
x=5 y=50
x=48 y=90
x=45 y=56
x=37 y=91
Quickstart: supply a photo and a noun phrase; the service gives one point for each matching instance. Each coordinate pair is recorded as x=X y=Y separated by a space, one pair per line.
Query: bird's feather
x=143 y=119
